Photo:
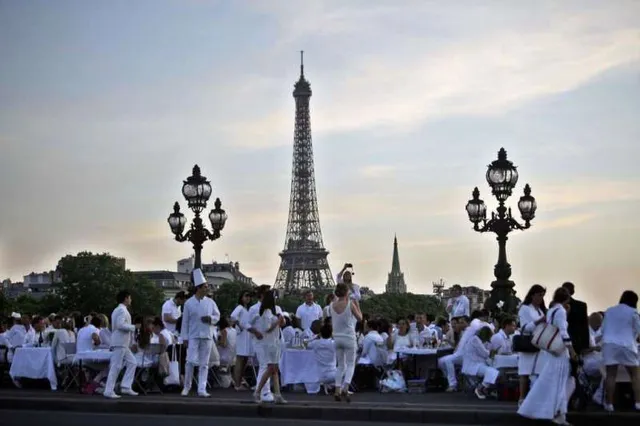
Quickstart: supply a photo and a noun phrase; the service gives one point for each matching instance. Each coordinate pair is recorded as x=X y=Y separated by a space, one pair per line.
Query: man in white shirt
x=373 y=346
x=121 y=338
x=200 y=316
x=35 y=337
x=447 y=363
x=501 y=341
x=254 y=311
x=458 y=305
x=309 y=311
x=171 y=311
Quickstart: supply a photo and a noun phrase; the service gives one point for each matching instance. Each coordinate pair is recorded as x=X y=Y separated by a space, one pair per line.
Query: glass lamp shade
x=527 y=205
x=502 y=176
x=176 y=220
x=476 y=208
x=218 y=216
x=196 y=190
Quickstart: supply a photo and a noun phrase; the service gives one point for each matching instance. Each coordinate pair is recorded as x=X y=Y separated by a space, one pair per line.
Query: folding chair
x=149 y=355
x=68 y=368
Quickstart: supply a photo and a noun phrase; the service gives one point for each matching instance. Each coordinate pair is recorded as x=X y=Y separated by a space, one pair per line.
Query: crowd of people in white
x=541 y=343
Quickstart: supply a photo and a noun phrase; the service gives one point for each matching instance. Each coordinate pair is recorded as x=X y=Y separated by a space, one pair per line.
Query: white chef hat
x=198 y=277
x=15 y=315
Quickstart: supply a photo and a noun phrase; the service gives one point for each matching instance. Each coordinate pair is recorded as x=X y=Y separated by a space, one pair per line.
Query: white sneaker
x=280 y=400
x=128 y=391
x=608 y=407
x=203 y=395
x=111 y=395
x=185 y=392
x=479 y=394
x=637 y=406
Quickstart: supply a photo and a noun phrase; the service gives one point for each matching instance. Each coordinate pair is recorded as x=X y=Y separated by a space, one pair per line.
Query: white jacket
x=193 y=311
x=475 y=355
x=121 y=327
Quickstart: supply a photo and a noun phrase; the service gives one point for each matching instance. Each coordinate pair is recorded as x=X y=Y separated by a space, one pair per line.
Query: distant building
x=395 y=281
x=216 y=273
x=42 y=282
x=476 y=296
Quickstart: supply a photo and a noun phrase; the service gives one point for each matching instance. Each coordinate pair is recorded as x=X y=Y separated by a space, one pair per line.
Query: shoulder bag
x=547 y=337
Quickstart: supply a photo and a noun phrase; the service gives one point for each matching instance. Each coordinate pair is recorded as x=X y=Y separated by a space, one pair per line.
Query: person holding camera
x=346 y=276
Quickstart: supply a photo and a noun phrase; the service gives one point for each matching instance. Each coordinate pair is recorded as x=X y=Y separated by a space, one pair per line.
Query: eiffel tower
x=304 y=259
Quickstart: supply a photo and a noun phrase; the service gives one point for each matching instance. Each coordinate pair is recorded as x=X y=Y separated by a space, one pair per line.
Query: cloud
x=377 y=170
x=450 y=64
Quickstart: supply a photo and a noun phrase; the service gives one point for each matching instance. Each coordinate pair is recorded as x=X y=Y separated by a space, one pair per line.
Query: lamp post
x=197 y=190
x=502 y=177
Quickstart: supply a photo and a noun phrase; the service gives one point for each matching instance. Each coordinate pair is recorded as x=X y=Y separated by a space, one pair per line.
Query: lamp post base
x=502 y=291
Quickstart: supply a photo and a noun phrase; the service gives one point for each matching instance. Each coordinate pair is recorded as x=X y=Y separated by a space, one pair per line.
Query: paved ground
x=364 y=399
x=49 y=418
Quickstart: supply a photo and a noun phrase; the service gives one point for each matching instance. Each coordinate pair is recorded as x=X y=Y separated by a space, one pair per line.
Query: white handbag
x=173 y=379
x=547 y=338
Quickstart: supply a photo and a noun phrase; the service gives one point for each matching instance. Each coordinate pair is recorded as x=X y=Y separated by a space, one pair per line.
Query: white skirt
x=619 y=355
x=244 y=344
x=548 y=397
x=530 y=363
x=268 y=353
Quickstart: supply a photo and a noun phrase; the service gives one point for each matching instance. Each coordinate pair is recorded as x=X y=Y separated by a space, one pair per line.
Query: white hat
x=198 y=277
x=286 y=315
x=15 y=315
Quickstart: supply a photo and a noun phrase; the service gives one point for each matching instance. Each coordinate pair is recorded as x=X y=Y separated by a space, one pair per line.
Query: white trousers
x=448 y=366
x=489 y=375
x=346 y=359
x=198 y=354
x=119 y=356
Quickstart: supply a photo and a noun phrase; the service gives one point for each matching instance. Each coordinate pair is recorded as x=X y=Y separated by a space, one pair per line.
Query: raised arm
x=355 y=309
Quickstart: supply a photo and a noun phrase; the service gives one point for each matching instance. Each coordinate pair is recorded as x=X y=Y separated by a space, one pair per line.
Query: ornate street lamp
x=197 y=190
x=502 y=177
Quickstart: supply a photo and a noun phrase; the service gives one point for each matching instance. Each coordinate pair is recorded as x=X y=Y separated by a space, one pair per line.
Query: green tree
x=90 y=282
x=6 y=305
x=226 y=295
x=26 y=304
x=394 y=306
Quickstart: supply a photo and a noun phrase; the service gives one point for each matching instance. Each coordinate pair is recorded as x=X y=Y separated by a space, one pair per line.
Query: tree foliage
x=90 y=282
x=395 y=306
x=227 y=294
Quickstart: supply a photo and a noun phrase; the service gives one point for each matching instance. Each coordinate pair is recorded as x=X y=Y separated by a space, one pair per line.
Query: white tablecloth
x=300 y=366
x=417 y=351
x=100 y=355
x=505 y=361
x=34 y=363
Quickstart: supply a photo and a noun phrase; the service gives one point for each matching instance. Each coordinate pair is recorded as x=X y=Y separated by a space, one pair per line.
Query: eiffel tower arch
x=304 y=258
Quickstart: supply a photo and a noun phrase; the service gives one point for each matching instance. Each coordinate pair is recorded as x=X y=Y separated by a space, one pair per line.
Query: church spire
x=395 y=263
x=395 y=281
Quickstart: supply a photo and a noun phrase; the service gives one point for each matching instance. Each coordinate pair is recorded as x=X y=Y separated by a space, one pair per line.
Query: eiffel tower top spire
x=302 y=88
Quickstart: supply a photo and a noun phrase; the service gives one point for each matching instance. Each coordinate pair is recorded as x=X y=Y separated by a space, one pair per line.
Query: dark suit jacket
x=578 y=320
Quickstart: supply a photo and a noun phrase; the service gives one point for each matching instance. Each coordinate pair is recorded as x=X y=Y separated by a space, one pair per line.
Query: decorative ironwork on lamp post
x=502 y=177
x=197 y=190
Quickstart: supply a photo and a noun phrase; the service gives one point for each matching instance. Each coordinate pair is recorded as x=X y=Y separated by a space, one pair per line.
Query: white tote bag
x=173 y=379
x=547 y=337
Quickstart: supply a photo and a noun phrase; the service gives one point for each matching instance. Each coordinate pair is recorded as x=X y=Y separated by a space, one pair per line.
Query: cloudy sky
x=106 y=106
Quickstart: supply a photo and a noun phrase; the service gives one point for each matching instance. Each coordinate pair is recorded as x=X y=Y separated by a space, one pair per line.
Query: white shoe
x=128 y=391
x=479 y=394
x=185 y=392
x=267 y=398
x=637 y=406
x=204 y=395
x=111 y=395
x=256 y=398
x=280 y=400
x=608 y=407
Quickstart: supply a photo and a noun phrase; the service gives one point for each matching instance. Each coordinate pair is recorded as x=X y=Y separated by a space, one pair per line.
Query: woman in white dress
x=344 y=315
x=227 y=342
x=531 y=313
x=549 y=395
x=267 y=322
x=620 y=331
x=244 y=348
x=62 y=336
